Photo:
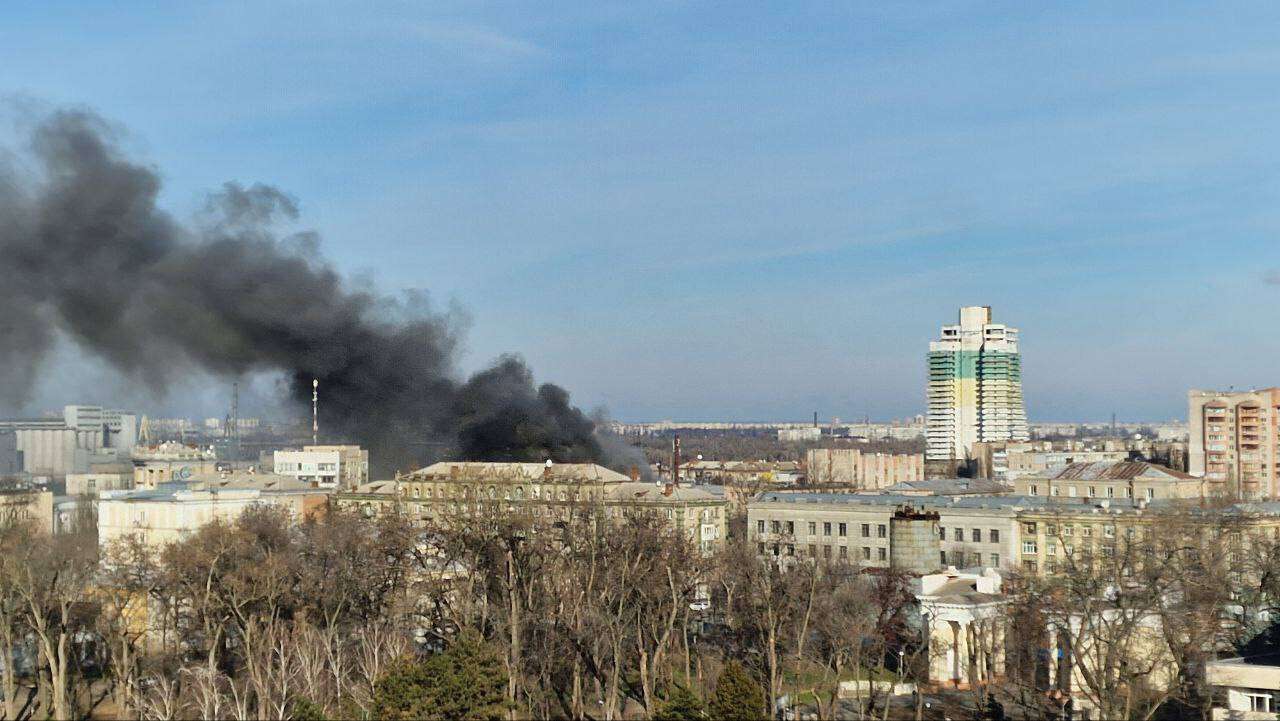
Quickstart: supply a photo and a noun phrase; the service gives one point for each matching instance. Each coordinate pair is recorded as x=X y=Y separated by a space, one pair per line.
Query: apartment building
x=1032 y=534
x=171 y=511
x=542 y=491
x=972 y=531
x=974 y=388
x=851 y=467
x=1233 y=440
x=1123 y=481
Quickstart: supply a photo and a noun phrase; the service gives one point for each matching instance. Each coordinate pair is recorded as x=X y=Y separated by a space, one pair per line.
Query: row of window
x=1109 y=492
x=975 y=534
x=842 y=529
x=789 y=549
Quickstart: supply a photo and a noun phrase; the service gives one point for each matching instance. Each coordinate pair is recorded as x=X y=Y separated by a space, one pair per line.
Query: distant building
x=548 y=492
x=24 y=505
x=1128 y=481
x=851 y=467
x=84 y=435
x=171 y=511
x=334 y=466
x=800 y=435
x=975 y=387
x=91 y=484
x=741 y=472
x=1233 y=440
x=1033 y=534
x=170 y=461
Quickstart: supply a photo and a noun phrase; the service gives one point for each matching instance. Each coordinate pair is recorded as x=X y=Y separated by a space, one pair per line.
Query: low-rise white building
x=171 y=511
x=330 y=466
x=1246 y=688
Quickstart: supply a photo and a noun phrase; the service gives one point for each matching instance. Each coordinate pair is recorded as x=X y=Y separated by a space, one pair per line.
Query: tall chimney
x=675 y=460
x=815 y=419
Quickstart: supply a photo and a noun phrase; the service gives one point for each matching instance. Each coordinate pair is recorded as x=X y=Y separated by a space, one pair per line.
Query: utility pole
x=315 y=412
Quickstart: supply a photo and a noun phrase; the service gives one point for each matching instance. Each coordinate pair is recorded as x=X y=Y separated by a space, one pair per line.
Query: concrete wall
x=850 y=466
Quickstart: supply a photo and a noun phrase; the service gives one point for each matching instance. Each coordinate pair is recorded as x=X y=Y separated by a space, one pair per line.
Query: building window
x=995 y=560
x=760 y=526
x=775 y=526
x=1260 y=702
x=813 y=551
x=791 y=550
x=942 y=533
x=943 y=556
x=866 y=530
x=826 y=551
x=1029 y=528
x=813 y=528
x=881 y=531
x=1035 y=490
x=1028 y=546
x=1109 y=531
x=844 y=529
x=760 y=547
x=1055 y=491
x=993 y=535
x=1151 y=494
x=1093 y=491
x=844 y=553
x=791 y=528
x=1071 y=491
x=826 y=531
x=1111 y=491
x=977 y=535
x=881 y=553
x=1051 y=549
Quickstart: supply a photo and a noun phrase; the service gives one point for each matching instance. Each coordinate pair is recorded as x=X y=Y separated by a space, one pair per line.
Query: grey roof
x=1005 y=503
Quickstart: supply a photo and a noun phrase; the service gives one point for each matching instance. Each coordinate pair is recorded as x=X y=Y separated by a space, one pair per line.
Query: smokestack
x=815 y=419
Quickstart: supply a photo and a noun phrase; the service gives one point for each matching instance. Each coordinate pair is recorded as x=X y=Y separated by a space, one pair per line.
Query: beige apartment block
x=540 y=491
x=172 y=511
x=1233 y=440
x=851 y=467
x=1118 y=481
x=855 y=528
x=27 y=506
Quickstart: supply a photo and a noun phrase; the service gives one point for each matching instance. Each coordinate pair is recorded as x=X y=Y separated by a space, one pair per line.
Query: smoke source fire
x=88 y=254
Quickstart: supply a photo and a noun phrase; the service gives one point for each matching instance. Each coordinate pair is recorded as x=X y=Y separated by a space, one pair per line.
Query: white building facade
x=975 y=386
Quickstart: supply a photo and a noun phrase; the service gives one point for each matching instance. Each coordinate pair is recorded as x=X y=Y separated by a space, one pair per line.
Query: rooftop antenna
x=315 y=415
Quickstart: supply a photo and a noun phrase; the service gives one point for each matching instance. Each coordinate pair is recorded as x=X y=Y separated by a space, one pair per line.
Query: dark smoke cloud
x=89 y=255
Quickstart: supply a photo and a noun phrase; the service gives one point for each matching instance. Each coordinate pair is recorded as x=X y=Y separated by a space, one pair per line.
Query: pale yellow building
x=851 y=467
x=541 y=491
x=27 y=506
x=1118 y=481
x=172 y=511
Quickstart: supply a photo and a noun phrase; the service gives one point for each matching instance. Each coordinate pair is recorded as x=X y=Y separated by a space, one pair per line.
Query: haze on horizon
x=728 y=213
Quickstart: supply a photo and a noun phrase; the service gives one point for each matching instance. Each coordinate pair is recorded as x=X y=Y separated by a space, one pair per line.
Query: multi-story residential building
x=975 y=387
x=973 y=531
x=1033 y=534
x=171 y=511
x=1233 y=440
x=541 y=491
x=334 y=466
x=851 y=467
x=1127 y=481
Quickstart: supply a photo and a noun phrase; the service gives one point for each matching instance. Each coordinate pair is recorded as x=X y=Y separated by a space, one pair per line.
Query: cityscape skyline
x=625 y=188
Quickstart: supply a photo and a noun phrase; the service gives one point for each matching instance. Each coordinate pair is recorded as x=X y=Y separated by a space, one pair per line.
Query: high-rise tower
x=975 y=386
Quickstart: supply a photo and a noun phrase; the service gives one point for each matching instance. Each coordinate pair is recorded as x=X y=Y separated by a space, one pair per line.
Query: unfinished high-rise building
x=975 y=387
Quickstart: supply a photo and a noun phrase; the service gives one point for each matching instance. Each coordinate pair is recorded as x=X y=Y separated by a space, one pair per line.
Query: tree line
x=491 y=614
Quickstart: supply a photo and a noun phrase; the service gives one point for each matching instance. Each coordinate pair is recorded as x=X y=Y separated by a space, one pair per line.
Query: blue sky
x=741 y=211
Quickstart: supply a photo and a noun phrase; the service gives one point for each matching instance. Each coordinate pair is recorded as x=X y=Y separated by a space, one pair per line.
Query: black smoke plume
x=88 y=254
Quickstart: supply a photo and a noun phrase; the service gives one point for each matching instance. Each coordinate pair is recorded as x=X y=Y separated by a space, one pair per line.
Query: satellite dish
x=548 y=464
